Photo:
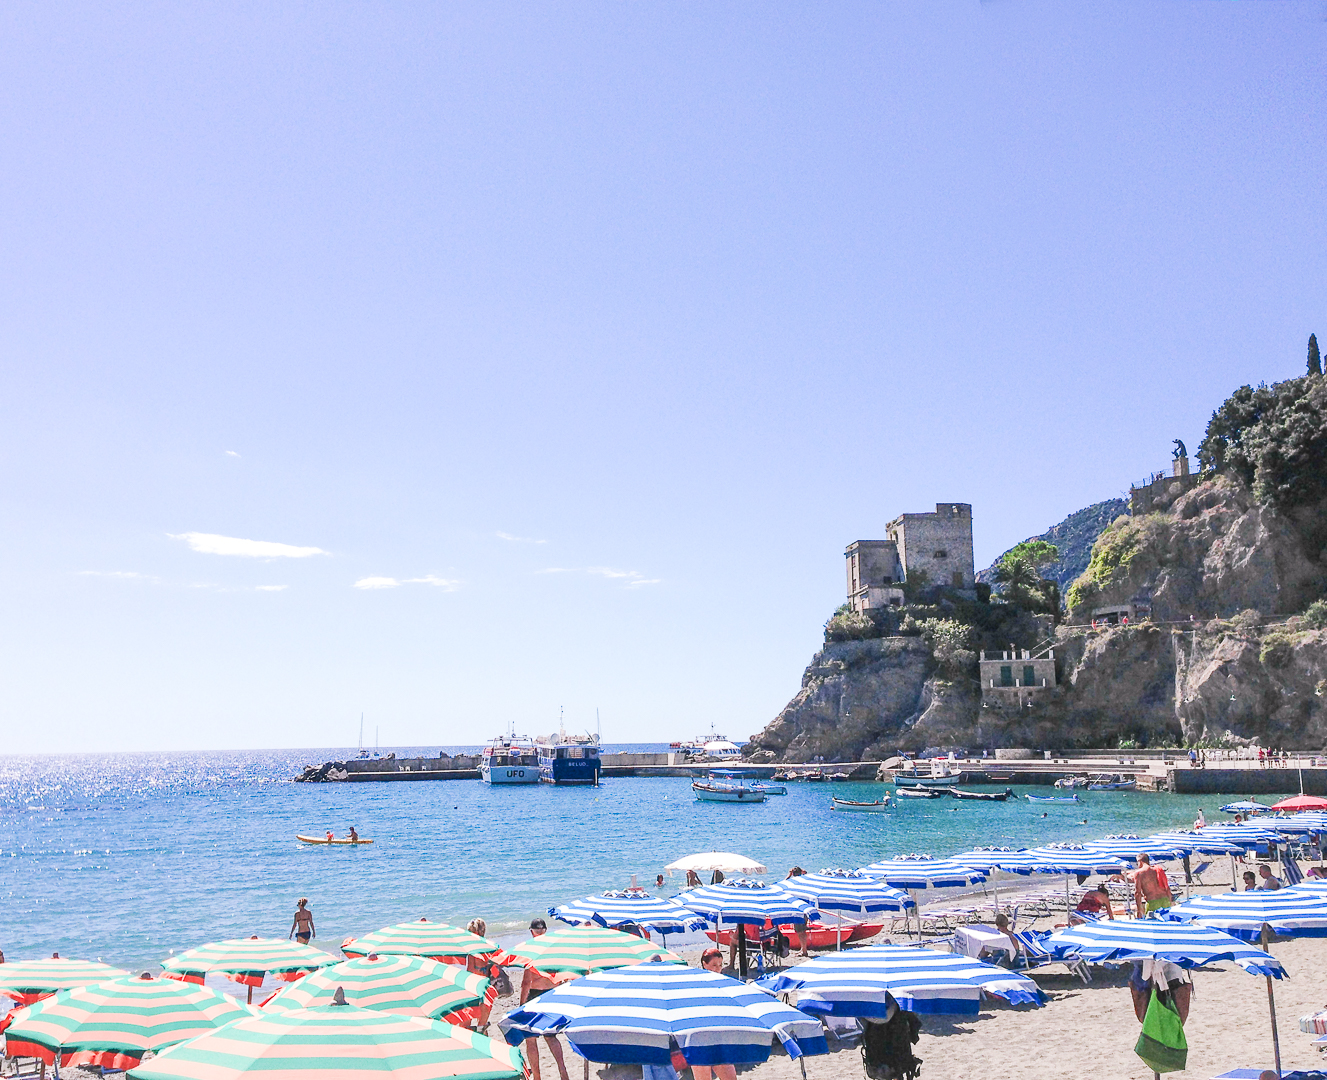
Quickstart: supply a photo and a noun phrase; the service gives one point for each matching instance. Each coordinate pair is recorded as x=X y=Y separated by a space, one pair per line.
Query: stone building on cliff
x=939 y=544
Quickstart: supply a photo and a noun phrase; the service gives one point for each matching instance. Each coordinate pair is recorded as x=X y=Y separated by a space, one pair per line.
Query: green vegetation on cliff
x=1073 y=539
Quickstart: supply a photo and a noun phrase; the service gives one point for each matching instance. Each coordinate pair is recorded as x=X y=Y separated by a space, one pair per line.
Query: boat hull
x=331 y=843
x=727 y=795
x=859 y=808
x=1053 y=798
x=509 y=774
x=901 y=779
x=922 y=793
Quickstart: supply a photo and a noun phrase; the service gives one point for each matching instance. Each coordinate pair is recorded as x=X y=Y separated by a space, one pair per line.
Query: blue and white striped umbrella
x=748 y=902
x=1288 y=912
x=628 y=1015
x=919 y=871
x=1305 y=821
x=1186 y=944
x=1248 y=835
x=1201 y=843
x=1245 y=807
x=1131 y=846
x=614 y=909
x=1070 y=859
x=848 y=891
x=988 y=858
x=854 y=983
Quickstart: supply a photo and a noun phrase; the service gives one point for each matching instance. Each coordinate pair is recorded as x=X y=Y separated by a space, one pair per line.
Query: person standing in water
x=302 y=928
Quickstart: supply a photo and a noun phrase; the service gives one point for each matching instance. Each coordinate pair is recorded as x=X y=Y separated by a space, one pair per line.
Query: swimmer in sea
x=302 y=928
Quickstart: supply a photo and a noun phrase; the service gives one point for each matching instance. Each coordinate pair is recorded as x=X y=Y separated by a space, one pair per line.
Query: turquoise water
x=126 y=858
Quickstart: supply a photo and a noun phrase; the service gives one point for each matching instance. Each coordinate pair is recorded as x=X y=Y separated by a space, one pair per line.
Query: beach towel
x=1162 y=1045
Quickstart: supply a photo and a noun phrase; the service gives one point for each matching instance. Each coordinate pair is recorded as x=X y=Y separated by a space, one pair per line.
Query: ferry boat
x=569 y=759
x=509 y=759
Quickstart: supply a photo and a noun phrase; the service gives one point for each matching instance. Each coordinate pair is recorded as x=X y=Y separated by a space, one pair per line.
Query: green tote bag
x=1162 y=1045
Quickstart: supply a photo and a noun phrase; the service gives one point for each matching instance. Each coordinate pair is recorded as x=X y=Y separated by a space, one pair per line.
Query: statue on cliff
x=1180 y=450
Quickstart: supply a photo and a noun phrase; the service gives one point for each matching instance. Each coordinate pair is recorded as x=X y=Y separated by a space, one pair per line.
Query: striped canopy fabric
x=1200 y=843
x=1248 y=835
x=854 y=983
x=750 y=903
x=583 y=949
x=613 y=909
x=335 y=1041
x=409 y=985
x=435 y=940
x=27 y=980
x=628 y=1016
x=1289 y=912
x=113 y=1024
x=919 y=871
x=848 y=892
x=247 y=960
x=1246 y=806
x=987 y=858
x=1131 y=846
x=1303 y=822
x=1186 y=944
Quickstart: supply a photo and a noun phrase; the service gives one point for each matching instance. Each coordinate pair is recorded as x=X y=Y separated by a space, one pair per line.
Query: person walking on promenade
x=302 y=928
x=534 y=983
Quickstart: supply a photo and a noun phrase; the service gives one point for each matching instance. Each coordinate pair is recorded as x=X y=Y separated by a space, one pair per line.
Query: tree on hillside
x=1018 y=575
x=1315 y=359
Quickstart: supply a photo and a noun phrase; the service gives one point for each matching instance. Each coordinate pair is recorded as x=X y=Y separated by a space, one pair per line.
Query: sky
x=473 y=364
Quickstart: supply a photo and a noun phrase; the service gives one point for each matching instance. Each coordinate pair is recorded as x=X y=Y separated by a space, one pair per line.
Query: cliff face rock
x=1073 y=537
x=1269 y=687
x=1214 y=553
x=857 y=699
x=1118 y=684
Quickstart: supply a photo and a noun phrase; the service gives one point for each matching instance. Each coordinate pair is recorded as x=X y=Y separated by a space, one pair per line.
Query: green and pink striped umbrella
x=434 y=940
x=113 y=1024
x=583 y=949
x=28 y=980
x=336 y=1042
x=247 y=960
x=409 y=985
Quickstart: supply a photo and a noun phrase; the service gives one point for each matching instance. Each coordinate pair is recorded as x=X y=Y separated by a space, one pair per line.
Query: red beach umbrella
x=1301 y=802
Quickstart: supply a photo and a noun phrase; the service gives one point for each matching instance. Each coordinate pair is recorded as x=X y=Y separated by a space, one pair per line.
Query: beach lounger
x=1253 y=1074
x=1036 y=956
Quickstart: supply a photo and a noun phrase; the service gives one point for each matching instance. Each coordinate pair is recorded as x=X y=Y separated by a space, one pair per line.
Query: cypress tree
x=1315 y=359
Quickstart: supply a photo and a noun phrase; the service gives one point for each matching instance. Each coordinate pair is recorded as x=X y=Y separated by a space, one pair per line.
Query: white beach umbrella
x=728 y=862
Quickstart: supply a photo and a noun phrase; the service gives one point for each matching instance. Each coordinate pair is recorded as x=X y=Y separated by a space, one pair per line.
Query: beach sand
x=1083 y=1031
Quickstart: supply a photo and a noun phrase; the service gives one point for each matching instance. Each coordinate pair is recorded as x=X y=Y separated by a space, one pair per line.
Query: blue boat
x=569 y=761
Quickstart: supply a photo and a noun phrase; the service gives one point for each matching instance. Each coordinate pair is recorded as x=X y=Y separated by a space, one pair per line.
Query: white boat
x=1111 y=782
x=772 y=789
x=509 y=759
x=724 y=791
x=939 y=775
x=877 y=807
x=1071 y=782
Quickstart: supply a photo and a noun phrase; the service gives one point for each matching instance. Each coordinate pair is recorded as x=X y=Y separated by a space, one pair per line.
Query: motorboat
x=509 y=759
x=840 y=777
x=816 y=775
x=1071 y=782
x=877 y=807
x=940 y=775
x=921 y=792
x=726 y=791
x=1052 y=798
x=1111 y=782
x=983 y=796
x=569 y=759
x=730 y=776
x=773 y=789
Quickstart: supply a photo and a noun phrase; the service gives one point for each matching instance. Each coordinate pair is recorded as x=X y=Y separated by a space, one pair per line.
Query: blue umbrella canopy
x=1201 y=843
x=1246 y=807
x=919 y=871
x=1186 y=944
x=1304 y=822
x=854 y=983
x=847 y=891
x=988 y=858
x=1248 y=835
x=1130 y=846
x=748 y=902
x=614 y=909
x=1069 y=859
x=629 y=1016
x=1289 y=912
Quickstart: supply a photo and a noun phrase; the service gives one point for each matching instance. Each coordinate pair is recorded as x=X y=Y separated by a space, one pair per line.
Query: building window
x=942 y=554
x=958 y=579
x=1029 y=675
x=1006 y=675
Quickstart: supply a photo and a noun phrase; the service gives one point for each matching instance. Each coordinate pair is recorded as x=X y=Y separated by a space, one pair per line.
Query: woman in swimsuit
x=302 y=928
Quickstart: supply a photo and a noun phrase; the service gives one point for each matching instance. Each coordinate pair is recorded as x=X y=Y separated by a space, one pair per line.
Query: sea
x=129 y=858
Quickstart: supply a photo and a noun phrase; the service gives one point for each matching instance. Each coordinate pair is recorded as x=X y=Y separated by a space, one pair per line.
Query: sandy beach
x=1083 y=1030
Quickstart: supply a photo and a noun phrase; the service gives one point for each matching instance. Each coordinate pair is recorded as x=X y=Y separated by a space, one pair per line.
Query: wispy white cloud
x=212 y=544
x=520 y=539
x=446 y=584
x=376 y=583
x=231 y=453
x=270 y=588
x=124 y=575
x=630 y=578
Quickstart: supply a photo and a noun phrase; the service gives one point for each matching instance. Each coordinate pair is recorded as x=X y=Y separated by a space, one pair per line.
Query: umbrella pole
x=741 y=949
x=250 y=994
x=1263 y=940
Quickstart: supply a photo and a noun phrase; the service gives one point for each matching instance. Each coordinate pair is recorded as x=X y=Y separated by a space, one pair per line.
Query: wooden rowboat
x=879 y=806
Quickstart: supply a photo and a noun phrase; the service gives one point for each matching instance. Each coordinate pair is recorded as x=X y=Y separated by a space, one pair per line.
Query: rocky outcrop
x=1266 y=686
x=858 y=699
x=1214 y=551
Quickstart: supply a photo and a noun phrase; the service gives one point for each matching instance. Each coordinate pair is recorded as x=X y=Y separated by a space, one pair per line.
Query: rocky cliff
x=1073 y=537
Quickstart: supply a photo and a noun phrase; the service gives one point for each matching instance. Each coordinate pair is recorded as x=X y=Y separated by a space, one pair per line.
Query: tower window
x=942 y=554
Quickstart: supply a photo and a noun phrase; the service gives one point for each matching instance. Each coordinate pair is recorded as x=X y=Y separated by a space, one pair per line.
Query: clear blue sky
x=591 y=333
